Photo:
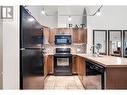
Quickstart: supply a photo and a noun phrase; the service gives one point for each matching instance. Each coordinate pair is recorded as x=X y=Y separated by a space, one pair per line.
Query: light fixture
x=43 y=11
x=30 y=19
x=69 y=18
x=98 y=13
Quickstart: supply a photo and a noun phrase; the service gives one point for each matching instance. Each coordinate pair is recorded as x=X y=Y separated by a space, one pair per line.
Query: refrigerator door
x=32 y=68
x=30 y=30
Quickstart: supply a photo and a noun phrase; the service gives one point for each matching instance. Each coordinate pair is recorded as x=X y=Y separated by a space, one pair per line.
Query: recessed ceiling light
x=69 y=18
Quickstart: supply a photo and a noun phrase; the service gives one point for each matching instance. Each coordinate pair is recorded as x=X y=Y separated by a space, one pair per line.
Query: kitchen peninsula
x=115 y=75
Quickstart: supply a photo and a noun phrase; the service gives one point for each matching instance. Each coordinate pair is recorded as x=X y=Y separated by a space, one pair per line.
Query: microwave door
x=62 y=39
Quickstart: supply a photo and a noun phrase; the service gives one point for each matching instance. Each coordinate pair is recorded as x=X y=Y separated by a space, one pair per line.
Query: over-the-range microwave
x=63 y=39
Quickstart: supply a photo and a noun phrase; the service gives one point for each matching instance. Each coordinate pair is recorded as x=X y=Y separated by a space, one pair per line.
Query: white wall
x=1 y=52
x=49 y=21
x=55 y=19
x=72 y=11
x=11 y=52
x=112 y=18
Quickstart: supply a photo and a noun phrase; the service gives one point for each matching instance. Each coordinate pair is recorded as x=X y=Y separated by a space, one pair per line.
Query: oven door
x=62 y=65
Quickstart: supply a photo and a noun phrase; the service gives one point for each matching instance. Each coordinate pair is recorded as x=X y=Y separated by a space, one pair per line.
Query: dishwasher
x=93 y=69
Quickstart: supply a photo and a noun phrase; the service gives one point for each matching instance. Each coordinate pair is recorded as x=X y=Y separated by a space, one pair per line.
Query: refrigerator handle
x=43 y=50
x=22 y=49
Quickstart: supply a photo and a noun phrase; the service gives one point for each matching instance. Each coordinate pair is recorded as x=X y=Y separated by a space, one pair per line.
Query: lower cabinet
x=45 y=66
x=50 y=64
x=79 y=67
x=74 y=64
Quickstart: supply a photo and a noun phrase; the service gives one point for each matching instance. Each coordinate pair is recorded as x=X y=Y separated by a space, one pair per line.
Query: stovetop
x=63 y=54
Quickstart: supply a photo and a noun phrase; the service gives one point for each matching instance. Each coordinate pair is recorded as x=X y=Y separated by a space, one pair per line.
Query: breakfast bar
x=115 y=74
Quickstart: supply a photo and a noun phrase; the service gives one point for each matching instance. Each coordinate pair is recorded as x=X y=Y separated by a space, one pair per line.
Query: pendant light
x=98 y=13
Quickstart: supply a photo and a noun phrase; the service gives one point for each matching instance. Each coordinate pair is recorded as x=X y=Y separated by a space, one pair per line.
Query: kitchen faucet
x=91 y=49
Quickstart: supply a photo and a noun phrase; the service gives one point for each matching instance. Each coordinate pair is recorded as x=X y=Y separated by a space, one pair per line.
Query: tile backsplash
x=75 y=48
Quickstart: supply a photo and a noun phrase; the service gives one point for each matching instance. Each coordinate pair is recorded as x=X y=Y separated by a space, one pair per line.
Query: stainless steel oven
x=62 y=62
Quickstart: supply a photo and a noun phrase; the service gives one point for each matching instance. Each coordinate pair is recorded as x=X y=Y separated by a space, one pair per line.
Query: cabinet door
x=79 y=35
x=82 y=35
x=45 y=66
x=52 y=34
x=84 y=81
x=66 y=31
x=46 y=31
x=50 y=64
x=74 y=64
x=81 y=68
x=75 y=35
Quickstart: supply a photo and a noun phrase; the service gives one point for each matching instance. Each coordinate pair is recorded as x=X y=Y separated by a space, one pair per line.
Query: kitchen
x=62 y=52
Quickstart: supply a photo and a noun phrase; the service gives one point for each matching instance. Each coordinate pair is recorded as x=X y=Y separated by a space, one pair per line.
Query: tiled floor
x=33 y=82
x=93 y=82
x=63 y=82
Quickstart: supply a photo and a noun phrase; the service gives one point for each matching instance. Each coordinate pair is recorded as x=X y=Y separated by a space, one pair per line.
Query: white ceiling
x=63 y=10
x=57 y=11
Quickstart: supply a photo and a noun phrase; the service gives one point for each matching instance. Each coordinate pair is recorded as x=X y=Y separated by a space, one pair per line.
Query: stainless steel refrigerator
x=31 y=52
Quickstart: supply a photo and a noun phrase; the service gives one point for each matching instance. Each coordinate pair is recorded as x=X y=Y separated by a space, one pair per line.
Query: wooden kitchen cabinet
x=78 y=66
x=63 y=31
x=81 y=67
x=116 y=77
x=75 y=36
x=52 y=36
x=79 y=35
x=50 y=64
x=74 y=64
x=46 y=33
x=84 y=80
x=45 y=65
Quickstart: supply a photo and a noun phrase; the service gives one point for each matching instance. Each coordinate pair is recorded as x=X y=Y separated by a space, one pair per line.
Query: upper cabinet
x=79 y=35
x=64 y=31
x=46 y=32
x=100 y=37
x=115 y=42
x=52 y=35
